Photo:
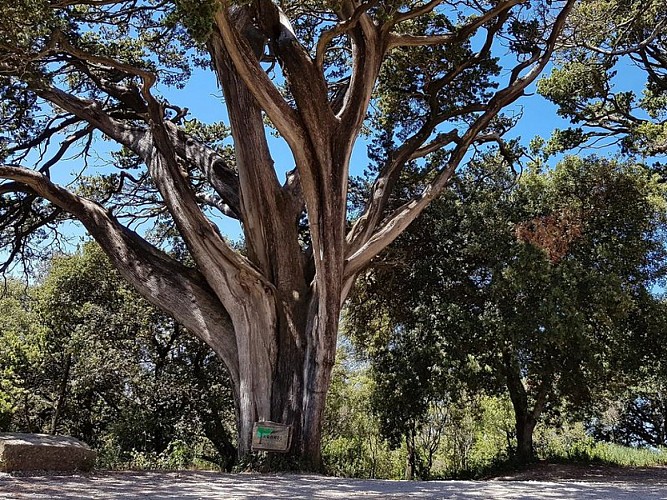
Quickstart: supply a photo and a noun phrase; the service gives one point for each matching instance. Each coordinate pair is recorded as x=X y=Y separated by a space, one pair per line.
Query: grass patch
x=612 y=454
x=581 y=452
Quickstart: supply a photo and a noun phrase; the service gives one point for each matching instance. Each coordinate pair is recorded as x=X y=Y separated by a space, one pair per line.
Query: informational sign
x=271 y=436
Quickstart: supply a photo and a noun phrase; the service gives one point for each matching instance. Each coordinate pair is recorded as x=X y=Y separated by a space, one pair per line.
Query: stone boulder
x=25 y=452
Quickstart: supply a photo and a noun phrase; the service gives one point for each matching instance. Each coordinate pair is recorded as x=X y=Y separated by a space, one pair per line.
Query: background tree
x=75 y=71
x=352 y=444
x=111 y=369
x=539 y=288
x=21 y=348
x=637 y=416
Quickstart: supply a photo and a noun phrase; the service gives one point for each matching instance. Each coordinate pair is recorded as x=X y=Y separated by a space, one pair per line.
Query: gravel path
x=205 y=486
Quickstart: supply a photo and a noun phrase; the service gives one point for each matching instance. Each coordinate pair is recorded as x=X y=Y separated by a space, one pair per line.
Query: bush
x=178 y=455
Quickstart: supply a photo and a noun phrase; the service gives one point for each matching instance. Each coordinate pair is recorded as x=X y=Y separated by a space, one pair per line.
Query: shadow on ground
x=205 y=486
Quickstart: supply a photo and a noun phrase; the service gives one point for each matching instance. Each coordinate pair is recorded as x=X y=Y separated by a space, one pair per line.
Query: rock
x=23 y=452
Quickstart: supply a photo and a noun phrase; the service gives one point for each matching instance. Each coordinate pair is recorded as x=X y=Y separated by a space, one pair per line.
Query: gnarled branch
x=164 y=282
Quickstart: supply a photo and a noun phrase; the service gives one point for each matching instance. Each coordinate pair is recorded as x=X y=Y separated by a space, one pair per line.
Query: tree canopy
x=591 y=84
x=540 y=286
x=94 y=360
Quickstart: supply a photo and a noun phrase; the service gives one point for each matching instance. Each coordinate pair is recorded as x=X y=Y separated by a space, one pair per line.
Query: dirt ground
x=543 y=482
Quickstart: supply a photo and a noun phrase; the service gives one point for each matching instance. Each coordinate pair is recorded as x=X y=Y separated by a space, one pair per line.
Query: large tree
x=75 y=71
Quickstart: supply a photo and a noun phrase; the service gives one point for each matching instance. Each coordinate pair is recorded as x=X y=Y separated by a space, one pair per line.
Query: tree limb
x=359 y=257
x=407 y=40
x=223 y=179
x=279 y=112
x=164 y=282
x=367 y=51
x=340 y=29
x=416 y=12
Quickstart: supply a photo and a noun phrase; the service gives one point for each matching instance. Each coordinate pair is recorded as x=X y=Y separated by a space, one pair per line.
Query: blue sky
x=204 y=100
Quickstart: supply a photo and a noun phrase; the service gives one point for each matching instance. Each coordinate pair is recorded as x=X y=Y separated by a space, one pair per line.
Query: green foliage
x=197 y=17
x=351 y=443
x=605 y=38
x=88 y=357
x=638 y=415
x=179 y=455
x=494 y=432
x=613 y=454
x=21 y=347
x=540 y=286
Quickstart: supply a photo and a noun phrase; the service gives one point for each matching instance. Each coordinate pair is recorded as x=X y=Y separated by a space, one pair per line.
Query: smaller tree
x=535 y=288
x=352 y=443
x=639 y=418
x=21 y=349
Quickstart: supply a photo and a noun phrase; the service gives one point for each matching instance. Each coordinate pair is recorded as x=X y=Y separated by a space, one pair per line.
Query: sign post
x=271 y=436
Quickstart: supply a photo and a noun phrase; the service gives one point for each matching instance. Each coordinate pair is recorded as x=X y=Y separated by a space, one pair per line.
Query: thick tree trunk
x=294 y=385
x=525 y=425
x=525 y=418
x=286 y=328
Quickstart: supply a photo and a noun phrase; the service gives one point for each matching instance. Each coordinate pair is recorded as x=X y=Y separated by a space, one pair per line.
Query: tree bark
x=62 y=393
x=411 y=459
x=525 y=425
x=525 y=419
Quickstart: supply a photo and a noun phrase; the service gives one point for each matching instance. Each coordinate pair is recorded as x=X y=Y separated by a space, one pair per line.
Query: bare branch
x=215 y=202
x=367 y=50
x=49 y=131
x=221 y=176
x=416 y=12
x=269 y=98
x=404 y=215
x=64 y=147
x=306 y=81
x=20 y=219
x=436 y=144
x=147 y=77
x=406 y=40
x=138 y=140
x=385 y=181
x=383 y=185
x=340 y=29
